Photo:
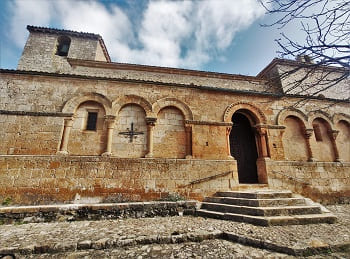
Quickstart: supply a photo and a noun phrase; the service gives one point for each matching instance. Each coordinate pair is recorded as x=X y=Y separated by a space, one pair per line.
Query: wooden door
x=243 y=148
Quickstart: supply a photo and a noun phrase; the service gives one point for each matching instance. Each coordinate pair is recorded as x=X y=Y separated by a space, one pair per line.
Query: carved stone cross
x=131 y=133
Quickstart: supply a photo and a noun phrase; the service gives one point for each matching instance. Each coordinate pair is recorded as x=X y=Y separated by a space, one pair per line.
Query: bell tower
x=49 y=50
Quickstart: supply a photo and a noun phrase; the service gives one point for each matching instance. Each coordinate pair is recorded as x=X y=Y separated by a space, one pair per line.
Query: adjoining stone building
x=75 y=125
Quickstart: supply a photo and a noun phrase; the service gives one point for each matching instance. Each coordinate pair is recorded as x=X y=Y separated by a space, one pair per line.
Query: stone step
x=248 y=186
x=261 y=211
x=257 y=202
x=270 y=221
x=304 y=219
x=258 y=194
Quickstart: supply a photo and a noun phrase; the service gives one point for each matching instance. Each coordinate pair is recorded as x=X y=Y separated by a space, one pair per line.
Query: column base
x=311 y=159
x=188 y=157
x=106 y=154
x=266 y=158
x=62 y=153
x=231 y=158
x=149 y=155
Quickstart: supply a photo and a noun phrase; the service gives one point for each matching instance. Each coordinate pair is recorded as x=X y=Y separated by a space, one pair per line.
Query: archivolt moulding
x=341 y=116
x=320 y=114
x=282 y=115
x=71 y=105
x=259 y=116
x=132 y=99
x=168 y=101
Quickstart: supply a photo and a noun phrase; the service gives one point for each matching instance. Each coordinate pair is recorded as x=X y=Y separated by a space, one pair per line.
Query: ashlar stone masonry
x=76 y=125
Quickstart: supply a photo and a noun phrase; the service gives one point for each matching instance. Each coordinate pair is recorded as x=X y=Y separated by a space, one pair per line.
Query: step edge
x=262 y=208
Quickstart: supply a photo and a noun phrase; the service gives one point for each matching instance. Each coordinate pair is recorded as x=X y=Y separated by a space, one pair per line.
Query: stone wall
x=294 y=143
x=319 y=82
x=32 y=110
x=186 y=121
x=169 y=134
x=324 y=182
x=206 y=79
x=33 y=134
x=73 y=212
x=39 y=53
x=23 y=92
x=343 y=140
x=127 y=145
x=52 y=179
x=88 y=142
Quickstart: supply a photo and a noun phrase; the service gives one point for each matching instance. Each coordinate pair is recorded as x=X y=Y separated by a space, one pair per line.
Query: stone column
x=333 y=136
x=68 y=123
x=110 y=120
x=261 y=143
x=228 y=144
x=151 y=122
x=308 y=135
x=262 y=133
x=188 y=130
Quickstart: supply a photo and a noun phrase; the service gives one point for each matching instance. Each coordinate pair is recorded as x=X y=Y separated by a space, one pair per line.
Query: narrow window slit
x=91 y=123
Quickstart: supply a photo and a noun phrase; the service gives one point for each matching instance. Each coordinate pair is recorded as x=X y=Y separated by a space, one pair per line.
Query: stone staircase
x=264 y=207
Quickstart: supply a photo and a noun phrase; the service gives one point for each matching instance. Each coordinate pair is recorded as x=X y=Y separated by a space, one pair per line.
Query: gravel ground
x=295 y=236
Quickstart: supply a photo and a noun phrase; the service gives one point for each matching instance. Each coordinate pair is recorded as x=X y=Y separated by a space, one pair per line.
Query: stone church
x=77 y=126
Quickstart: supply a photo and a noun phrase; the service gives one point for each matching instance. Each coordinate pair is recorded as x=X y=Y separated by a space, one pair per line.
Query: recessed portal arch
x=243 y=146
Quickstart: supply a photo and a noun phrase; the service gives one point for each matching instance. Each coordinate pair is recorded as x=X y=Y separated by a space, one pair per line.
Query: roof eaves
x=61 y=31
x=290 y=62
x=157 y=69
x=105 y=51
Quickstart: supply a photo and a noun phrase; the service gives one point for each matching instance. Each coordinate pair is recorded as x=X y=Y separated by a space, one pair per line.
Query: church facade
x=76 y=127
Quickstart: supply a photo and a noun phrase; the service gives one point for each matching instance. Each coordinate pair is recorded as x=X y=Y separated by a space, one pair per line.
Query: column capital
x=110 y=120
x=151 y=121
x=68 y=122
x=188 y=127
x=333 y=134
x=308 y=133
x=109 y=117
x=262 y=131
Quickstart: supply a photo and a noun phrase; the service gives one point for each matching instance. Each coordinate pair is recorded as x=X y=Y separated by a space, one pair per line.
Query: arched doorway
x=243 y=148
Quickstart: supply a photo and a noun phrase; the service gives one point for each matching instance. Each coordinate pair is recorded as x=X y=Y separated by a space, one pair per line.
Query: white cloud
x=170 y=33
x=24 y=12
x=94 y=17
x=218 y=21
x=164 y=27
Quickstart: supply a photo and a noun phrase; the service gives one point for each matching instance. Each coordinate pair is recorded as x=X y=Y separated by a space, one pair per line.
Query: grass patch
x=173 y=197
x=7 y=201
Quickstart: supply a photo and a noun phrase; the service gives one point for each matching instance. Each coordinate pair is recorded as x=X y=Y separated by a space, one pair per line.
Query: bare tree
x=324 y=54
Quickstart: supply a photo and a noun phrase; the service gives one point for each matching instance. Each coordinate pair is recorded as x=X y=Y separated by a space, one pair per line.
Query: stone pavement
x=176 y=237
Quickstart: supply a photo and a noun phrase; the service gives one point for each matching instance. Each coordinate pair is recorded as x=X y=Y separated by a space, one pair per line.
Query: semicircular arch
x=168 y=101
x=340 y=117
x=258 y=115
x=282 y=115
x=322 y=115
x=132 y=99
x=72 y=104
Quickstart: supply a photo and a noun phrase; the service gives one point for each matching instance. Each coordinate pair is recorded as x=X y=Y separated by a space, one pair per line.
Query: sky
x=210 y=35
